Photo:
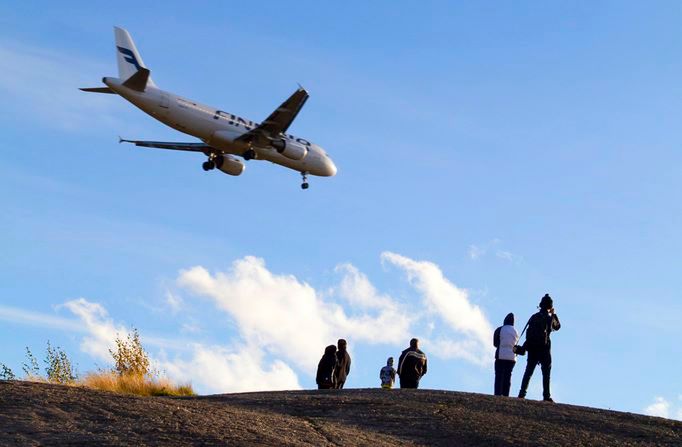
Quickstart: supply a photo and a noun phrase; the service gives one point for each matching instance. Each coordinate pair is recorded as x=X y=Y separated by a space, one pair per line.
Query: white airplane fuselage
x=219 y=129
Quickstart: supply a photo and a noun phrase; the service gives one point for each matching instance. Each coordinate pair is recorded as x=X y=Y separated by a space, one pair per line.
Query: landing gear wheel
x=304 y=185
x=208 y=165
x=249 y=154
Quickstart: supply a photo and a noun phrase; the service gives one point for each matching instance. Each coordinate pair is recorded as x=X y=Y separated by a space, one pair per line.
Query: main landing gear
x=249 y=154
x=304 y=185
x=210 y=163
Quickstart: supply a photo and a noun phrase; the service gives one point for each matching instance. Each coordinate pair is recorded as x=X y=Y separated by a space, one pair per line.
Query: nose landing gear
x=304 y=185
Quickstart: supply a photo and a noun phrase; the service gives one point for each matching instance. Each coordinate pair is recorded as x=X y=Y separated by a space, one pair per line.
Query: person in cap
x=538 y=345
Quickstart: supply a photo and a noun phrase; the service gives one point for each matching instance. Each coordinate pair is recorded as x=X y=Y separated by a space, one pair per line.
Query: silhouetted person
x=325 y=369
x=539 y=346
x=387 y=374
x=504 y=339
x=342 y=364
x=411 y=365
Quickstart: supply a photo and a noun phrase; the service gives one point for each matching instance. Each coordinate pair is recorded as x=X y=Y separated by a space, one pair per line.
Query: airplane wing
x=192 y=147
x=279 y=121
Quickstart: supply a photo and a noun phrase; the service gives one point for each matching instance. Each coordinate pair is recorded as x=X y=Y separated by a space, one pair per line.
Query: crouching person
x=325 y=369
x=387 y=375
x=504 y=339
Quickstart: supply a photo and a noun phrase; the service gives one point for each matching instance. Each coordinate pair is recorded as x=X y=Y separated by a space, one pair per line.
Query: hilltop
x=36 y=413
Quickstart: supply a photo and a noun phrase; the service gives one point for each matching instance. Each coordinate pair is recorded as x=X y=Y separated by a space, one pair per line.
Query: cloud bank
x=283 y=323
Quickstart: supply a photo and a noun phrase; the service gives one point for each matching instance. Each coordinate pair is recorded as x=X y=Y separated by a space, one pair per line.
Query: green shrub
x=130 y=358
x=31 y=369
x=6 y=373
x=59 y=368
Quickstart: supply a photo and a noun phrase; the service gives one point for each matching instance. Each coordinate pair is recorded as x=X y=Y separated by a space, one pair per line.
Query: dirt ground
x=40 y=414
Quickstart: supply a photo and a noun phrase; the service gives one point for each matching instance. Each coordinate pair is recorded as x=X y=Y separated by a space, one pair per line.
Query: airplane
x=224 y=136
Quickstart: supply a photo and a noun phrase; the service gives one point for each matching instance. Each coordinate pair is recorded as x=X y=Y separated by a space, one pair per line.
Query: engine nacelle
x=229 y=165
x=290 y=150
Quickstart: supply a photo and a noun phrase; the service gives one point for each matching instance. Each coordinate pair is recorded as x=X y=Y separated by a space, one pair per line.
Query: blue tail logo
x=129 y=56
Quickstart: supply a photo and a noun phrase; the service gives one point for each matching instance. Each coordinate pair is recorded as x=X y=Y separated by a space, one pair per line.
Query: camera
x=520 y=349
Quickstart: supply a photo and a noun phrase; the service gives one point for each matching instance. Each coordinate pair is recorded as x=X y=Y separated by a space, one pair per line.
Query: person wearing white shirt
x=504 y=339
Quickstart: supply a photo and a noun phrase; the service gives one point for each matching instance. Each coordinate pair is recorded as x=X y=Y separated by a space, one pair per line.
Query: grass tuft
x=134 y=384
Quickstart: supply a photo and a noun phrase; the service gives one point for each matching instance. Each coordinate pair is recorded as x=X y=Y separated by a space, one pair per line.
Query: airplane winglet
x=138 y=81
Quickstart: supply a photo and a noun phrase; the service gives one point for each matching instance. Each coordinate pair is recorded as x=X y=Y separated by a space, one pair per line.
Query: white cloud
x=289 y=318
x=660 y=408
x=451 y=304
x=174 y=301
x=101 y=330
x=475 y=252
x=502 y=254
x=217 y=369
x=43 y=83
x=21 y=316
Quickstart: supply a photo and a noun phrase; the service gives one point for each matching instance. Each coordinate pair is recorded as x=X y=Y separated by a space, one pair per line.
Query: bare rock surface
x=41 y=414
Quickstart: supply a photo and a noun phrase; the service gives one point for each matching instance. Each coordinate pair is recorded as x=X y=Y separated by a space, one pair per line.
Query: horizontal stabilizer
x=138 y=81
x=191 y=147
x=98 y=90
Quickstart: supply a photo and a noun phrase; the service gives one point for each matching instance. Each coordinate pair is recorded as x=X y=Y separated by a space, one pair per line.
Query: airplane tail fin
x=129 y=60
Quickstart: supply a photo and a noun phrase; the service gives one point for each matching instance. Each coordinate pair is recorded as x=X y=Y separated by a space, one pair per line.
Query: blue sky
x=512 y=149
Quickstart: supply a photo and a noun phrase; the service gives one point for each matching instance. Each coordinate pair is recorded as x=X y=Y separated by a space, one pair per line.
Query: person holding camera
x=539 y=346
x=504 y=339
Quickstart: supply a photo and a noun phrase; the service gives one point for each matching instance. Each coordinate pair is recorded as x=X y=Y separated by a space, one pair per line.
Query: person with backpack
x=387 y=375
x=411 y=365
x=504 y=339
x=342 y=364
x=539 y=346
x=325 y=369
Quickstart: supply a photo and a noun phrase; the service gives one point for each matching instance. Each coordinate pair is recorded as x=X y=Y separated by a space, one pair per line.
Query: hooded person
x=325 y=369
x=504 y=339
x=411 y=365
x=539 y=346
x=342 y=364
x=387 y=374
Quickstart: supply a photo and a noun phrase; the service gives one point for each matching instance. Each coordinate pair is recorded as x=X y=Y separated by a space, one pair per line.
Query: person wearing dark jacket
x=411 y=365
x=325 y=369
x=342 y=364
x=539 y=346
x=504 y=339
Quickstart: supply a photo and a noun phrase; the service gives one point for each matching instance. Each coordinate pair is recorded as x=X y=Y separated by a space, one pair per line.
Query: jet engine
x=229 y=165
x=289 y=150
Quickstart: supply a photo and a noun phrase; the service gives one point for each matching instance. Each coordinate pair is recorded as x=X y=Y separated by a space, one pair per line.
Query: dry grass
x=134 y=384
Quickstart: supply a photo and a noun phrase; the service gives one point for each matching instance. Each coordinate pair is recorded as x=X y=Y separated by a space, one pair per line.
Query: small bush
x=6 y=373
x=134 y=384
x=31 y=369
x=130 y=358
x=59 y=368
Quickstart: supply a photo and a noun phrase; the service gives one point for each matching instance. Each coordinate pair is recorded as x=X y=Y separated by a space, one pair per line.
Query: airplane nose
x=329 y=168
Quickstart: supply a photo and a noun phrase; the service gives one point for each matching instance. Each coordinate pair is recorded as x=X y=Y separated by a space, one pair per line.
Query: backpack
x=538 y=333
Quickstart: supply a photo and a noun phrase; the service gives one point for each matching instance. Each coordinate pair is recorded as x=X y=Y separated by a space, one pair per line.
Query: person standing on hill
x=325 y=369
x=411 y=365
x=539 y=346
x=342 y=364
x=504 y=339
x=387 y=375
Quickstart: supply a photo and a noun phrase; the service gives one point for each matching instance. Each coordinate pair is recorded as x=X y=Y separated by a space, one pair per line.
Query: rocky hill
x=40 y=414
